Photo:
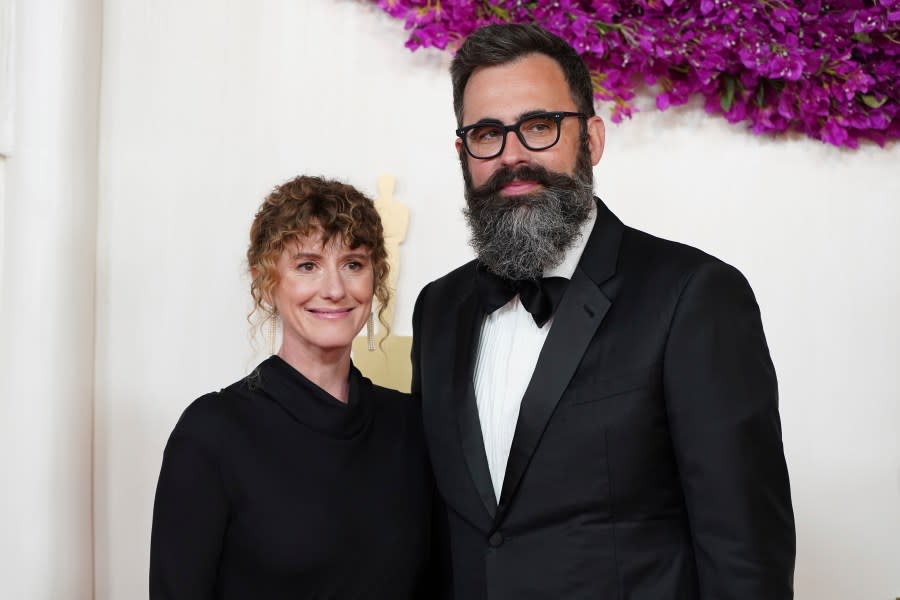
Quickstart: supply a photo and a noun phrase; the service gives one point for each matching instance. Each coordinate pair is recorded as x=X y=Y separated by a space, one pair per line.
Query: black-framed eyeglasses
x=536 y=131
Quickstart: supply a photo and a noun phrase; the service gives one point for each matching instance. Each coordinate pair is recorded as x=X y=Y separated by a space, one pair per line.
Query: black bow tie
x=540 y=297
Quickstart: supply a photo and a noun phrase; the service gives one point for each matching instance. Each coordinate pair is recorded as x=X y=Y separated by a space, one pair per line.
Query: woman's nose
x=333 y=286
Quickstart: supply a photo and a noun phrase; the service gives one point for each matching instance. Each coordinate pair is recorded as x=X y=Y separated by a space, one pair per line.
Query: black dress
x=272 y=488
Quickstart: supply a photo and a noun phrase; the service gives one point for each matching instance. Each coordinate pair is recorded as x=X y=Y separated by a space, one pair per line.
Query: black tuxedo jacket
x=647 y=461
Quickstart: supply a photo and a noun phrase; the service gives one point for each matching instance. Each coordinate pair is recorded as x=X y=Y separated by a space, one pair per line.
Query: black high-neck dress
x=272 y=488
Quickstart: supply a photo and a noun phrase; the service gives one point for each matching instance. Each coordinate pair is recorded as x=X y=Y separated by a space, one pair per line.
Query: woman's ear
x=265 y=296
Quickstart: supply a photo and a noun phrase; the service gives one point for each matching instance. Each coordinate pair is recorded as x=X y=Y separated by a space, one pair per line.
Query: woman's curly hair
x=312 y=206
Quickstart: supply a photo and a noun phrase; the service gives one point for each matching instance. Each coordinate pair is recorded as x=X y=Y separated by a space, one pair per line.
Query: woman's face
x=324 y=294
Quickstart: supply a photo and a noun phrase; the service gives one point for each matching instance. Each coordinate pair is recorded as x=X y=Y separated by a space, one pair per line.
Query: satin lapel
x=579 y=315
x=467 y=332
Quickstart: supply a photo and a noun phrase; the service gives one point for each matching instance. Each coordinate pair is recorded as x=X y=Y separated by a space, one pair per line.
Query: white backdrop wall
x=208 y=104
x=47 y=304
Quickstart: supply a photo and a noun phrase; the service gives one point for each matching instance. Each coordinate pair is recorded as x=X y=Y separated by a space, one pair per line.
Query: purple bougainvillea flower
x=829 y=70
x=662 y=101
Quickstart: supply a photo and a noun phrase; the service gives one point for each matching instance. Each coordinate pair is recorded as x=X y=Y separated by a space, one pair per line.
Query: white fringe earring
x=370 y=332
x=273 y=318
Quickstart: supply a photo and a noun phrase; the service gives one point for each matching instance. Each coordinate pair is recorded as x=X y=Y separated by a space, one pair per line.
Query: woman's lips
x=330 y=313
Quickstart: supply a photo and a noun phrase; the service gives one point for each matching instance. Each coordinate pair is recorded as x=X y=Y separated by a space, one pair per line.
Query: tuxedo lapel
x=468 y=327
x=577 y=318
x=579 y=314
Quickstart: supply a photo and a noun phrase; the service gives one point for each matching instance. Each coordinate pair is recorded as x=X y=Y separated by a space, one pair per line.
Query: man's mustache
x=506 y=175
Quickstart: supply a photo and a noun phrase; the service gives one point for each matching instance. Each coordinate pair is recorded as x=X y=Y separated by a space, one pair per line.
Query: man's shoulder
x=648 y=250
x=456 y=284
x=647 y=262
x=463 y=272
x=616 y=248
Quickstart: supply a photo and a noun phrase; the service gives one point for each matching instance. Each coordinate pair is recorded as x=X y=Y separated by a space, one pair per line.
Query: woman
x=302 y=480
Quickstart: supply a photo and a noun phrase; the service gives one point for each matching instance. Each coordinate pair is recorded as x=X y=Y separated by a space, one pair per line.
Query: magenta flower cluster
x=829 y=69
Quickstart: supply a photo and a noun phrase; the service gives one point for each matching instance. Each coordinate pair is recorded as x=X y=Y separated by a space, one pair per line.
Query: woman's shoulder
x=392 y=401
x=212 y=416
x=384 y=395
x=390 y=395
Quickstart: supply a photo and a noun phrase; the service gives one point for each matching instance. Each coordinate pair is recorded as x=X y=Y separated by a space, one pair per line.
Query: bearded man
x=600 y=406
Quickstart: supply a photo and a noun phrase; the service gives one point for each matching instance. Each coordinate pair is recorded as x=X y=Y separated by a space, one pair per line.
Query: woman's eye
x=306 y=266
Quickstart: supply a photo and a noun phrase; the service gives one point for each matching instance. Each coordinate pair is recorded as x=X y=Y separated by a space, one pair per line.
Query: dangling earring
x=370 y=332
x=273 y=318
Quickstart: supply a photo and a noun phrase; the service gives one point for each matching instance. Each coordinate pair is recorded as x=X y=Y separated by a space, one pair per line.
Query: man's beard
x=522 y=236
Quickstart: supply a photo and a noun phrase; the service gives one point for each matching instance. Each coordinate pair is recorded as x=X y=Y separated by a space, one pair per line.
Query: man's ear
x=458 y=144
x=596 y=131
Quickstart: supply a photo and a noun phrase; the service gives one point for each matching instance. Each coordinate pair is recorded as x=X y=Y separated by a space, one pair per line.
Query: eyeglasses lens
x=538 y=133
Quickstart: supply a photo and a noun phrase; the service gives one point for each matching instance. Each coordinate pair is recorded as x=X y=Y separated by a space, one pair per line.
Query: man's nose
x=514 y=152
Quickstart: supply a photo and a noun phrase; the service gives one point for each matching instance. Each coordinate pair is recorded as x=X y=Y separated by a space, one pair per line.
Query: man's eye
x=484 y=134
x=539 y=126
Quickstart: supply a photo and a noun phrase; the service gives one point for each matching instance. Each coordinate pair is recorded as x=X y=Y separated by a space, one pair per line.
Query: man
x=600 y=406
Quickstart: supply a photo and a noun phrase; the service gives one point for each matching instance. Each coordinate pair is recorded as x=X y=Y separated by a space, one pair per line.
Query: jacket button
x=496 y=539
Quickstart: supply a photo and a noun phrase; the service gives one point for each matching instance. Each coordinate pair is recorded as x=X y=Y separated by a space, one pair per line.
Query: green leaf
x=872 y=102
x=728 y=97
x=499 y=11
x=862 y=36
x=760 y=95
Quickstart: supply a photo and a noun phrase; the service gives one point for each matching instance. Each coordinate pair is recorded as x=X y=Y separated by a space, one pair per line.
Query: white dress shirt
x=508 y=351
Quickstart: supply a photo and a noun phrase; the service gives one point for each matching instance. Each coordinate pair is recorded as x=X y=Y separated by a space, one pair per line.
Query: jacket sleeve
x=416 y=383
x=722 y=401
x=189 y=519
x=438 y=580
